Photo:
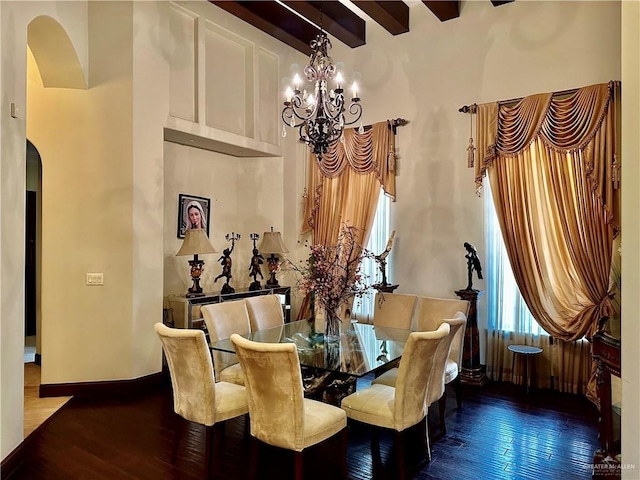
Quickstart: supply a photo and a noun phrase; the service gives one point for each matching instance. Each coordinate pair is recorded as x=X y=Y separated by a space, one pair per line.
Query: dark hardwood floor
x=497 y=434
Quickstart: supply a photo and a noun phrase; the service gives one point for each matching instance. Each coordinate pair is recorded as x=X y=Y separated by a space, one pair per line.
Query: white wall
x=14 y=18
x=630 y=237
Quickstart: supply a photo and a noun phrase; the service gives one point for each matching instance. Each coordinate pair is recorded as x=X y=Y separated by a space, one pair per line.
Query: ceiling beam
x=444 y=9
x=497 y=3
x=275 y=20
x=392 y=15
x=334 y=18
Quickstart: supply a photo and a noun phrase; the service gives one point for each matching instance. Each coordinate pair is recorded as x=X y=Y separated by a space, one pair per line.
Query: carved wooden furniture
x=606 y=353
x=472 y=373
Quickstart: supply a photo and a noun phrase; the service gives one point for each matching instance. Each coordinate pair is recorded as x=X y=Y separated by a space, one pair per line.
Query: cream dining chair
x=394 y=310
x=222 y=319
x=196 y=396
x=429 y=313
x=444 y=369
x=404 y=405
x=265 y=311
x=279 y=414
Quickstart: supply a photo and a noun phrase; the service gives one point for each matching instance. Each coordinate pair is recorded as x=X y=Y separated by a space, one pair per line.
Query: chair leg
x=400 y=454
x=344 y=441
x=253 y=458
x=424 y=437
x=376 y=462
x=457 y=386
x=216 y=460
x=442 y=404
x=299 y=465
x=208 y=444
x=178 y=432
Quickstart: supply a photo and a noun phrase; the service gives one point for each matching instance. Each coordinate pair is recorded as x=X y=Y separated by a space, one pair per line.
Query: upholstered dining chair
x=265 y=311
x=222 y=319
x=405 y=405
x=394 y=310
x=429 y=313
x=279 y=414
x=196 y=396
x=443 y=368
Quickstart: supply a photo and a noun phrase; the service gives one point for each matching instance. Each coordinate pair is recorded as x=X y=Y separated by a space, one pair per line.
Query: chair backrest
x=430 y=311
x=265 y=311
x=191 y=372
x=274 y=391
x=436 y=383
x=222 y=319
x=457 y=344
x=394 y=310
x=414 y=374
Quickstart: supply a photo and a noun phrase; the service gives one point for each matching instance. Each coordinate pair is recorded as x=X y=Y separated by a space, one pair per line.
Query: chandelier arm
x=355 y=109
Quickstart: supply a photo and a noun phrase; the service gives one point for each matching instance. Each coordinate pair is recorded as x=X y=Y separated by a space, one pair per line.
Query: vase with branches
x=332 y=275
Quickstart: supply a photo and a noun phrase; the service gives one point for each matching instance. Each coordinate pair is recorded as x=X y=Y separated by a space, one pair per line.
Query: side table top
x=525 y=349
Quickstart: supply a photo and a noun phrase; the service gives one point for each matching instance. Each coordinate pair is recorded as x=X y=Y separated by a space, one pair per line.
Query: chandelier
x=319 y=113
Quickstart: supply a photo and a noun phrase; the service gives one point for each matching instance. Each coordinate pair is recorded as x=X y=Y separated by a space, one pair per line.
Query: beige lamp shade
x=272 y=243
x=195 y=242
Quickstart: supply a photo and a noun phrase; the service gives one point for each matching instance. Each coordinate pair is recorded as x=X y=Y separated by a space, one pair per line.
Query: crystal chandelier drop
x=319 y=113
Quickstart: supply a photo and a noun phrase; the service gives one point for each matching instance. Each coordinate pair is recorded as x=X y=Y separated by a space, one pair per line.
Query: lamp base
x=272 y=282
x=196 y=270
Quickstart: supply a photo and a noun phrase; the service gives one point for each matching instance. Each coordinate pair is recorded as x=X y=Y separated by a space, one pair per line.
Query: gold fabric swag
x=551 y=162
x=344 y=187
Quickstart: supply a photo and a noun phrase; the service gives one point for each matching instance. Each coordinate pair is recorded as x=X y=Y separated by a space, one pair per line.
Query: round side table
x=527 y=352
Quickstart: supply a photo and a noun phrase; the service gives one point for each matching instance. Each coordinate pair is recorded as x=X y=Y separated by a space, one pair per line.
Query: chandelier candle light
x=319 y=113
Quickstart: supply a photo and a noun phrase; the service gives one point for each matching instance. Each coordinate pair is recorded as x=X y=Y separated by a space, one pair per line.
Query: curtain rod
x=398 y=122
x=473 y=107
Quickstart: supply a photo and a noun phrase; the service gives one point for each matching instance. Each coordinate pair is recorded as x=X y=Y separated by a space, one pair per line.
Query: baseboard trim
x=106 y=388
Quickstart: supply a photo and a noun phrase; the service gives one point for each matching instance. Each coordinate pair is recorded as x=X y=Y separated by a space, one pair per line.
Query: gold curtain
x=344 y=187
x=552 y=165
x=551 y=171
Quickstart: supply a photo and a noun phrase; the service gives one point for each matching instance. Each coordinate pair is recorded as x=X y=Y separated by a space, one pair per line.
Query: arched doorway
x=52 y=63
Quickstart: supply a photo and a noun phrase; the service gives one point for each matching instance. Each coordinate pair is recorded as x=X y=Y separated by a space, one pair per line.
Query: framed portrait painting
x=193 y=212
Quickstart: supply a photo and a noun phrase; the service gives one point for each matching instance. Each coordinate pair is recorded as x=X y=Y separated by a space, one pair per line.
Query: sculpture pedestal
x=385 y=288
x=471 y=372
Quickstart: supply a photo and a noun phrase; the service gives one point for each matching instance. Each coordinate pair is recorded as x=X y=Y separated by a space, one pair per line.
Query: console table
x=186 y=310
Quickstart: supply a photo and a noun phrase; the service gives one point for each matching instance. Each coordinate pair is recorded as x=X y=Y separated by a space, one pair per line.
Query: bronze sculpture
x=473 y=263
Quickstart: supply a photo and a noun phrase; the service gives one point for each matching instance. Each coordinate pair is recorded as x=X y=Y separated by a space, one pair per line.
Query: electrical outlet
x=96 y=279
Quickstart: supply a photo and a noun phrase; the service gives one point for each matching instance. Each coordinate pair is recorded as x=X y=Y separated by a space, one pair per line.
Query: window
x=507 y=310
x=364 y=307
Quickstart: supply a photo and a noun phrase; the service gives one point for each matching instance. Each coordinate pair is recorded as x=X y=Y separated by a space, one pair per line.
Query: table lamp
x=272 y=245
x=195 y=243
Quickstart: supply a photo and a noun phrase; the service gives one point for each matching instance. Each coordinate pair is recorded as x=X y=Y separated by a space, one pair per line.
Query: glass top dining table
x=361 y=349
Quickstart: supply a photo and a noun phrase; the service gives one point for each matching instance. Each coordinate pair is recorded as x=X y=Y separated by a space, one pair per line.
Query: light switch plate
x=96 y=279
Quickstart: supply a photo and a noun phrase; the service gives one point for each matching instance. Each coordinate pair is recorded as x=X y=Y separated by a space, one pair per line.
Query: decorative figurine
x=225 y=261
x=381 y=260
x=473 y=263
x=256 y=261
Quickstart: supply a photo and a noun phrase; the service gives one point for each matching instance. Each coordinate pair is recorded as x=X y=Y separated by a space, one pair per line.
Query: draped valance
x=334 y=182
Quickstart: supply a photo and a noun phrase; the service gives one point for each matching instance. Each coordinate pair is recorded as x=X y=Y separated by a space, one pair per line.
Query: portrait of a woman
x=193 y=213
x=195 y=216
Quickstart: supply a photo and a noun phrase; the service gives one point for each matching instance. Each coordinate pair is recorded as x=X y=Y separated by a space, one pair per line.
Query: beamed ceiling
x=275 y=19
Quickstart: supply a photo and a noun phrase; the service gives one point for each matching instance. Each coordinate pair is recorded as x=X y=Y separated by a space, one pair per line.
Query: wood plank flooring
x=36 y=409
x=497 y=434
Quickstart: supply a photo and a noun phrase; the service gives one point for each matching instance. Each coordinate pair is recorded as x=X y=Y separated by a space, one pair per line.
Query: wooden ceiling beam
x=334 y=18
x=444 y=9
x=393 y=16
x=497 y=3
x=275 y=20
